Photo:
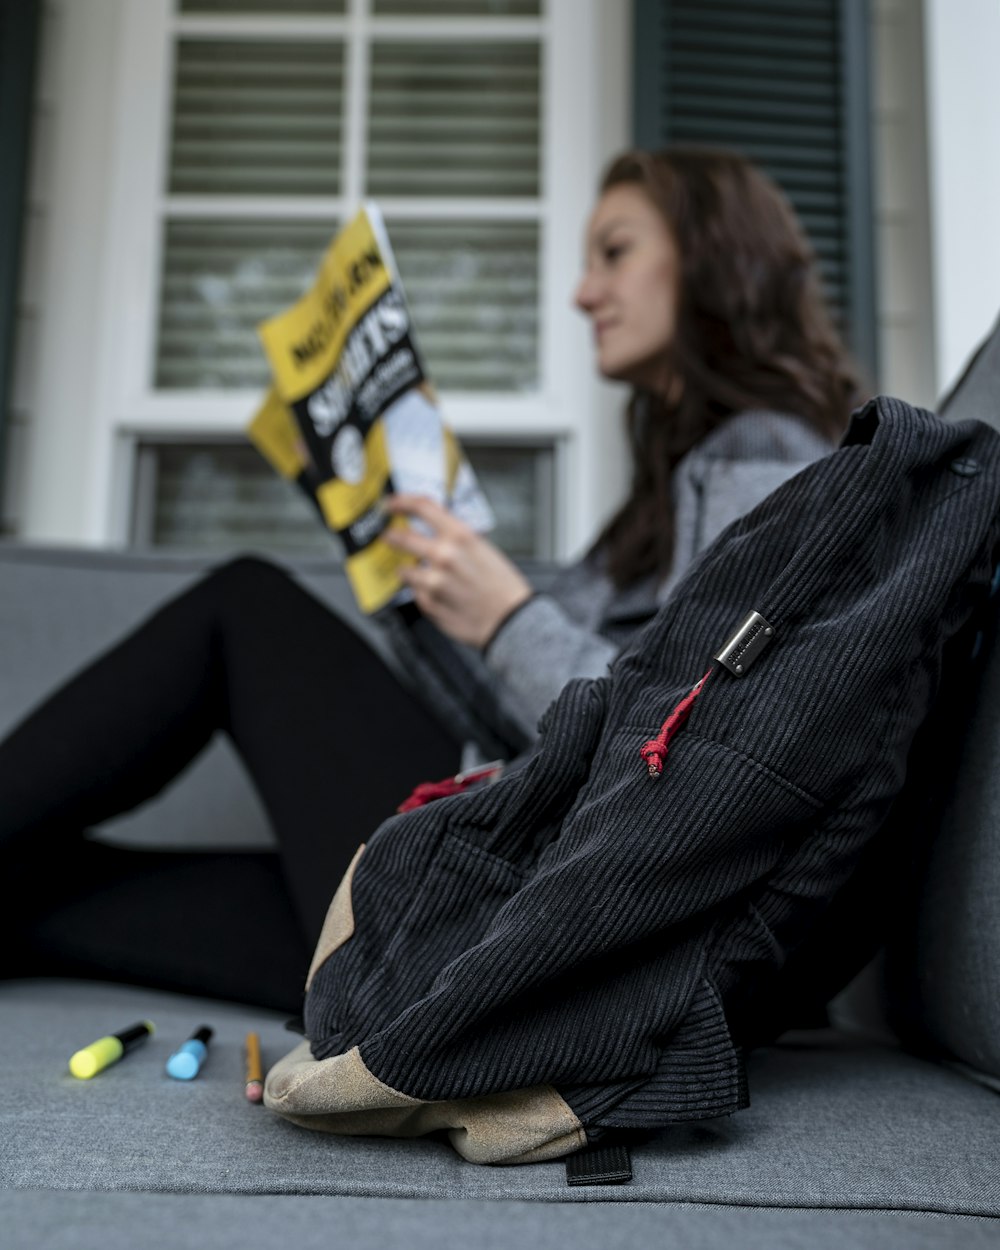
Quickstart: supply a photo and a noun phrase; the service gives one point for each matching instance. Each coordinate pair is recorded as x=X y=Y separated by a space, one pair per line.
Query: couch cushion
x=834 y=1124
x=119 y=1221
x=944 y=963
x=944 y=966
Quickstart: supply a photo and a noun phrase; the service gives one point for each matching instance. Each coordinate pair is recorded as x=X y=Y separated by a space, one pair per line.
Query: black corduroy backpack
x=586 y=945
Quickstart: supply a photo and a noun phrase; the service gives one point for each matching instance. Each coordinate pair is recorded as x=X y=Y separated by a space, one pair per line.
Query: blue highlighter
x=185 y=1064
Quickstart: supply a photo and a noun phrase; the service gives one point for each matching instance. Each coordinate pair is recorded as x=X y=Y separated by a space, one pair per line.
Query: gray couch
x=851 y=1140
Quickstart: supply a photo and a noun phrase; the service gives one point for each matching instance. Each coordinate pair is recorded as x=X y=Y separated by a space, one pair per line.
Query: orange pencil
x=255 y=1077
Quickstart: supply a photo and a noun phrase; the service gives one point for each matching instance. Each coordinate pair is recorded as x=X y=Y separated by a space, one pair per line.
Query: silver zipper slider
x=740 y=651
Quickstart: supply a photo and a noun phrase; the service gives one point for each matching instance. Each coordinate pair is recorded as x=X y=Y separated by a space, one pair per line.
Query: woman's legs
x=330 y=738
x=217 y=924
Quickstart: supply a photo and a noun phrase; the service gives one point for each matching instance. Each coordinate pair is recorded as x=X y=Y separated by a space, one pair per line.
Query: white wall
x=60 y=490
x=902 y=213
x=962 y=41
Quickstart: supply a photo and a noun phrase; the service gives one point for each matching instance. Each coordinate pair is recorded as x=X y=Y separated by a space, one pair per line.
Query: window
x=465 y=120
x=215 y=494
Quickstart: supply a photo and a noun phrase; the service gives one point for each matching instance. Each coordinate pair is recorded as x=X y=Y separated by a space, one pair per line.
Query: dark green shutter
x=787 y=83
x=19 y=24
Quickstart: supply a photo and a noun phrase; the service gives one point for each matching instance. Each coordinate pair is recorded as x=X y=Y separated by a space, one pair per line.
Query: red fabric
x=654 y=752
x=427 y=791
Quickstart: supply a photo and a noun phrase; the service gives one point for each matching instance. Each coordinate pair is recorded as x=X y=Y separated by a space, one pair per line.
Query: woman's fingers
x=448 y=534
x=411 y=541
x=462 y=581
x=434 y=515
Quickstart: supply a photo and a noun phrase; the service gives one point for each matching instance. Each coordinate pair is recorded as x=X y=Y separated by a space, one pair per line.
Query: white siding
x=962 y=41
x=902 y=224
x=60 y=490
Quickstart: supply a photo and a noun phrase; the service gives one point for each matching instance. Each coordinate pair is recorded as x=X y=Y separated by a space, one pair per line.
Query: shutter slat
x=750 y=84
x=759 y=10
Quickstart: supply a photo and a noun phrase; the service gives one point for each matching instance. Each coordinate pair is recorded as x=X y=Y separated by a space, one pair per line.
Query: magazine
x=351 y=415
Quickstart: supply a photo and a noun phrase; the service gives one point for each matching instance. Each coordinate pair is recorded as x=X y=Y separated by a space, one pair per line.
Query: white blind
x=454 y=119
x=223 y=495
x=381 y=8
x=268 y=155
x=257 y=117
x=219 y=496
x=220 y=279
x=457 y=8
x=472 y=289
x=284 y=8
x=265 y=117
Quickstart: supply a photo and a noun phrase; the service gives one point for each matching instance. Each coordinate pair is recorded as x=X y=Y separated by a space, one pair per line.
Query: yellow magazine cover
x=351 y=416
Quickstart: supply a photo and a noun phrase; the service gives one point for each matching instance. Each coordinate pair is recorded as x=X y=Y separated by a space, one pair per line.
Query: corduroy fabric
x=585 y=926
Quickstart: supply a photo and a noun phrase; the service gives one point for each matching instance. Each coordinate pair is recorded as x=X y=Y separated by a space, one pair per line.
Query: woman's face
x=630 y=286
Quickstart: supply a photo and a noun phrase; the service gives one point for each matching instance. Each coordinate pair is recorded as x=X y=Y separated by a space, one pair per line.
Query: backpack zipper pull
x=654 y=752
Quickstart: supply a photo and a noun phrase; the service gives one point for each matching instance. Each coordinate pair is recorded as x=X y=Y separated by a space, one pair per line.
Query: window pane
x=472 y=288
x=221 y=497
x=220 y=279
x=257 y=117
x=520 y=484
x=454 y=119
x=281 y=7
x=457 y=8
x=473 y=293
x=224 y=496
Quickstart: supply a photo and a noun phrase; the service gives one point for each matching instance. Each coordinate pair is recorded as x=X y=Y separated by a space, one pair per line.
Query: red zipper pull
x=428 y=791
x=654 y=752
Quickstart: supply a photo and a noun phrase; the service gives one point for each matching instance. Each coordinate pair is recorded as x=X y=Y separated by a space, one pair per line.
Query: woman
x=703 y=296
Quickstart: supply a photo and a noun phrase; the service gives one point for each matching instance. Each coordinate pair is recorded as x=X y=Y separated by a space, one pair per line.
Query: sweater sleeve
x=562 y=635
x=538 y=650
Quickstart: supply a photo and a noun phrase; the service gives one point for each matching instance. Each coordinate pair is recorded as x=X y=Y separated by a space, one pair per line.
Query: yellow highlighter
x=108 y=1050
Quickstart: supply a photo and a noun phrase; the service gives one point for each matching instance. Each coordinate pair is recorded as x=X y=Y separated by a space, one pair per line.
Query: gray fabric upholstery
x=81 y=1221
x=947 y=970
x=952 y=980
x=834 y=1124
x=974 y=395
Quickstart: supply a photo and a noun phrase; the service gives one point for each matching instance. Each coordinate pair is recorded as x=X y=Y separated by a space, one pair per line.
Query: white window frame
x=585 y=48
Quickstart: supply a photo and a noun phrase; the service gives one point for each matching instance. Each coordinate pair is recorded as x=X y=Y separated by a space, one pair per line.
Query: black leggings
x=332 y=741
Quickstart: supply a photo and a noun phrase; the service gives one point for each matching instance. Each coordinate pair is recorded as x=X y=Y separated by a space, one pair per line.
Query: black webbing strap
x=599 y=1165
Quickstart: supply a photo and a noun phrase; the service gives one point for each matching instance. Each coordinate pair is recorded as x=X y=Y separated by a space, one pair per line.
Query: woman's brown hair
x=753 y=331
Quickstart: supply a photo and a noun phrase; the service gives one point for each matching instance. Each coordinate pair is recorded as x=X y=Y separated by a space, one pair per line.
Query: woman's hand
x=462 y=582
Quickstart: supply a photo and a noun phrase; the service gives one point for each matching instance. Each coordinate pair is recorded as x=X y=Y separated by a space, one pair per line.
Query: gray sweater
x=580 y=625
